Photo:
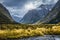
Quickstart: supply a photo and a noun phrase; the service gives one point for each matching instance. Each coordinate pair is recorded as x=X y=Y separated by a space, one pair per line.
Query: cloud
x=20 y=12
x=1 y=1
x=55 y=1
x=16 y=7
x=14 y=2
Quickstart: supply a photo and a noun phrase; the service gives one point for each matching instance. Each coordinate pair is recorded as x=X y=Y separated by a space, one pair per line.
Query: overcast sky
x=17 y=7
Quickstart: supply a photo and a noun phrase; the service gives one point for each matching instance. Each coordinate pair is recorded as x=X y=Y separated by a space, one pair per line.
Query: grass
x=20 y=31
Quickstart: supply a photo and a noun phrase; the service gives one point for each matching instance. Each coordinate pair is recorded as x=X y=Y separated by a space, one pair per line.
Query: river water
x=46 y=37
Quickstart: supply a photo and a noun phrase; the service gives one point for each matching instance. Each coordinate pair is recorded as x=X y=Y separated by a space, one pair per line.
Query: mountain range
x=53 y=16
x=36 y=14
x=42 y=14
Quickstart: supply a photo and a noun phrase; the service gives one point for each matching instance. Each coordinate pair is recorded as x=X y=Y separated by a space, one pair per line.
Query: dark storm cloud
x=14 y=2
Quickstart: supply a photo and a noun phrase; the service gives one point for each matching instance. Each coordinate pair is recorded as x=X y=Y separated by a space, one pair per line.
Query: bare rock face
x=5 y=15
x=53 y=16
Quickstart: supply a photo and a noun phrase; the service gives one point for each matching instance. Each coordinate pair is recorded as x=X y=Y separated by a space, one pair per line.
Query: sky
x=20 y=7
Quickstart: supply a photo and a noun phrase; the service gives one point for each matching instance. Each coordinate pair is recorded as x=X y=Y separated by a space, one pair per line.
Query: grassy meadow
x=24 y=30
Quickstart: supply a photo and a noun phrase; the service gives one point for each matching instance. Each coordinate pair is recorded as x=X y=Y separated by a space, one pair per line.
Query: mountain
x=53 y=16
x=17 y=19
x=36 y=14
x=5 y=15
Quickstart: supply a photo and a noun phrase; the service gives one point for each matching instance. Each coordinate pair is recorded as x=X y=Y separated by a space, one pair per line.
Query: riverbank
x=45 y=37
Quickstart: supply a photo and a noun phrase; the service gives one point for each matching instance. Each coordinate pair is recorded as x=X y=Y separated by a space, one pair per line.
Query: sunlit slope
x=5 y=15
x=53 y=16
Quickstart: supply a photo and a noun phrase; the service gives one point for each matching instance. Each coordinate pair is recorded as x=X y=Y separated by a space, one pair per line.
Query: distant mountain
x=53 y=16
x=36 y=14
x=17 y=19
x=5 y=15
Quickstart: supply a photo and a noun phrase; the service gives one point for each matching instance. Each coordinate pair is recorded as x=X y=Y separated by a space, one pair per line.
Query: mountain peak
x=36 y=14
x=53 y=16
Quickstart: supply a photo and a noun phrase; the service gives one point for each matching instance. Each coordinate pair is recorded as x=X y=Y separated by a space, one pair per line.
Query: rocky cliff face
x=53 y=16
x=36 y=14
x=5 y=15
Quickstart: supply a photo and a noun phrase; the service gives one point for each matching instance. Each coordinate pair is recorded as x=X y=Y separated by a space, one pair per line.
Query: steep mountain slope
x=5 y=15
x=53 y=16
x=36 y=14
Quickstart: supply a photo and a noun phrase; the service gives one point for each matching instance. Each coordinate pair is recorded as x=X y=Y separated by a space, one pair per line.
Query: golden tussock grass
x=29 y=32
